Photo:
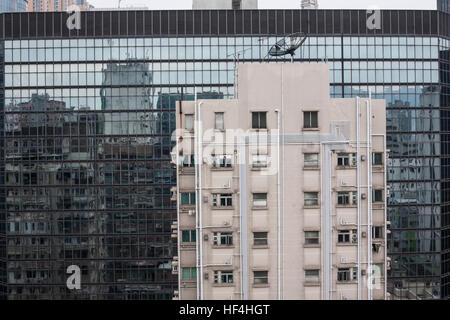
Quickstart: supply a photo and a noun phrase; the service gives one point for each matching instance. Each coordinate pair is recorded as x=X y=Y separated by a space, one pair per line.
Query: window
x=311 y=160
x=260 y=238
x=260 y=199
x=189 y=273
x=188 y=198
x=311 y=198
x=344 y=159
x=260 y=277
x=220 y=121
x=310 y=120
x=223 y=239
x=343 y=198
x=187 y=161
x=377 y=158
x=377 y=196
x=259 y=161
x=189 y=122
x=344 y=236
x=222 y=161
x=225 y=276
x=222 y=200
x=377 y=232
x=312 y=237
x=312 y=275
x=188 y=236
x=259 y=120
x=343 y=275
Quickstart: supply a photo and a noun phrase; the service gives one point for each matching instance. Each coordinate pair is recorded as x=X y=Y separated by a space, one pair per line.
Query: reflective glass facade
x=13 y=5
x=86 y=126
x=443 y=5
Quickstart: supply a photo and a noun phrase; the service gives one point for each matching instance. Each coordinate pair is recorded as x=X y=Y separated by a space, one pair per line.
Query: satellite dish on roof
x=288 y=45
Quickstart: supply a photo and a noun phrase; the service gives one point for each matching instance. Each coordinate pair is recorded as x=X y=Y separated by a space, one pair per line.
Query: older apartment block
x=282 y=191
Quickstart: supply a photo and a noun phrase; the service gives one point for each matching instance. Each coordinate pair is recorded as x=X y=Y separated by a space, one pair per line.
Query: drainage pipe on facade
x=197 y=197
x=200 y=200
x=358 y=177
x=178 y=215
x=369 y=197
x=278 y=207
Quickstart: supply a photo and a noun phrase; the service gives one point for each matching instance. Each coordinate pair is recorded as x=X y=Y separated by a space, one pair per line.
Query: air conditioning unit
x=364 y=234
x=191 y=212
x=205 y=199
x=206 y=276
x=363 y=158
x=363 y=272
x=226 y=223
x=343 y=260
x=363 y=196
x=205 y=237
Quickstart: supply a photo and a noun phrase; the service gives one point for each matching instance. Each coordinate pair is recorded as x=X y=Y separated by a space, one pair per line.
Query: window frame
x=312 y=240
x=259 y=126
x=310 y=124
x=312 y=278
x=222 y=239
x=261 y=277
x=218 y=197
x=306 y=162
x=315 y=200
x=216 y=114
x=264 y=240
x=262 y=200
x=192 y=120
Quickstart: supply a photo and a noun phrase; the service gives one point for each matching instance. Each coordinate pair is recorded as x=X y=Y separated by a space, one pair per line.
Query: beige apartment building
x=288 y=200
x=56 y=5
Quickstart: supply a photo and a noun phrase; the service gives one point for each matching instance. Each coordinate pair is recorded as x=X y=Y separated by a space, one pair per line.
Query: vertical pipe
x=369 y=204
x=358 y=177
x=278 y=209
x=243 y=207
x=178 y=214
x=328 y=227
x=385 y=216
x=200 y=160
x=197 y=197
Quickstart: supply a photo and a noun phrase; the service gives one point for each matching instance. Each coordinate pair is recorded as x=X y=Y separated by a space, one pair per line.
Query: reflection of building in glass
x=443 y=5
x=13 y=5
x=50 y=180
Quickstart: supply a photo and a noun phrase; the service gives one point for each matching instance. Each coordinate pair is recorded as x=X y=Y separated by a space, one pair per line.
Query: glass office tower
x=443 y=5
x=13 y=5
x=87 y=117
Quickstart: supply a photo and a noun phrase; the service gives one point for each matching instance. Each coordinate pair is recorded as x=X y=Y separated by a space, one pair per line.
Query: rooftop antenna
x=288 y=45
x=236 y=56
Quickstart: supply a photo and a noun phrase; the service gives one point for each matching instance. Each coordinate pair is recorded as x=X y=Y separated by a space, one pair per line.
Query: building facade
x=290 y=190
x=13 y=5
x=405 y=61
x=443 y=5
x=56 y=5
x=224 y=4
